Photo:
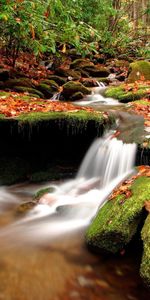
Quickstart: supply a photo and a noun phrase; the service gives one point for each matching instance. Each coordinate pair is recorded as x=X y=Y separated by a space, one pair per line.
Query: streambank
x=33 y=144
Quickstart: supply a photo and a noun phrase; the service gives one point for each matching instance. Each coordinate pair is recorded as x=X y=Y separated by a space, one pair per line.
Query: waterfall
x=73 y=204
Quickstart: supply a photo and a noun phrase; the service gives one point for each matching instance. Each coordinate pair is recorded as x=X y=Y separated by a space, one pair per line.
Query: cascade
x=74 y=203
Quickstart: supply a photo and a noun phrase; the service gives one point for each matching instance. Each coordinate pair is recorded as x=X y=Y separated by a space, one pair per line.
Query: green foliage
x=40 y=25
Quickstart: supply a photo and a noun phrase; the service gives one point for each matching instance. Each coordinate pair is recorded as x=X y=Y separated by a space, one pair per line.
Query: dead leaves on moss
x=125 y=188
x=14 y=104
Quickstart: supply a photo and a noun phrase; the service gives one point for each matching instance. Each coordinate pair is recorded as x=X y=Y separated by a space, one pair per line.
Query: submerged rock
x=139 y=69
x=117 y=221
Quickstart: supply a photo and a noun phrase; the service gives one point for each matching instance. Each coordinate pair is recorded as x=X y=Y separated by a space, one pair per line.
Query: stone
x=96 y=71
x=26 y=82
x=74 y=75
x=77 y=96
x=137 y=70
x=29 y=90
x=58 y=79
x=73 y=87
x=45 y=89
x=80 y=63
x=117 y=221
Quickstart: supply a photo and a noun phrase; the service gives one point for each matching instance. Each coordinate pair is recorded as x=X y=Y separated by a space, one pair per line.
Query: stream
x=43 y=255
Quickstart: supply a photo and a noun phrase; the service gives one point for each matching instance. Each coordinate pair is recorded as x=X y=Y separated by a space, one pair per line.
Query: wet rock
x=80 y=63
x=96 y=71
x=58 y=79
x=4 y=75
x=25 y=207
x=74 y=75
x=25 y=82
x=117 y=222
x=52 y=84
x=77 y=96
x=29 y=90
x=73 y=87
x=137 y=70
x=120 y=92
x=46 y=90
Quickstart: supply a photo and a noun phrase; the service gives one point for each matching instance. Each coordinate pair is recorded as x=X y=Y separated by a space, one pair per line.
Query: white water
x=73 y=204
x=97 y=97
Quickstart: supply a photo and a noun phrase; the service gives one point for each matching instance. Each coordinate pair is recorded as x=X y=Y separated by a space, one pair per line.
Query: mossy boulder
x=58 y=79
x=73 y=87
x=25 y=207
x=145 y=265
x=96 y=71
x=80 y=63
x=32 y=91
x=139 y=69
x=26 y=82
x=42 y=192
x=117 y=221
x=126 y=95
x=74 y=75
x=52 y=84
x=77 y=96
x=46 y=90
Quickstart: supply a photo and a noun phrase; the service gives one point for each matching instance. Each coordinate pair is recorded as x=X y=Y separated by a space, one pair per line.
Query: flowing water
x=42 y=254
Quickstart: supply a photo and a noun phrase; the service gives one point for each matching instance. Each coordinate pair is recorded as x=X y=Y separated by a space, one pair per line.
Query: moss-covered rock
x=75 y=75
x=46 y=90
x=77 y=96
x=32 y=91
x=145 y=265
x=117 y=221
x=25 y=207
x=25 y=82
x=96 y=71
x=52 y=84
x=80 y=63
x=124 y=95
x=58 y=79
x=138 y=69
x=42 y=192
x=72 y=87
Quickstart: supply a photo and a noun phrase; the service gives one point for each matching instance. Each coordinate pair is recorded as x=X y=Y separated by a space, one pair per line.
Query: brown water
x=64 y=269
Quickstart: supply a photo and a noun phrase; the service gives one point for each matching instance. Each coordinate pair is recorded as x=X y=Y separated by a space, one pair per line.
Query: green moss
x=123 y=96
x=2 y=93
x=145 y=265
x=72 y=87
x=117 y=221
x=138 y=69
x=29 y=90
x=42 y=192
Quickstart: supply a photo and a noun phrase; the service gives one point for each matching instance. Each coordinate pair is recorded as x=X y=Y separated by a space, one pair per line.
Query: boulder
x=58 y=79
x=26 y=82
x=80 y=63
x=117 y=221
x=29 y=90
x=73 y=87
x=77 y=96
x=52 y=84
x=137 y=70
x=74 y=75
x=46 y=90
x=125 y=95
x=96 y=71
